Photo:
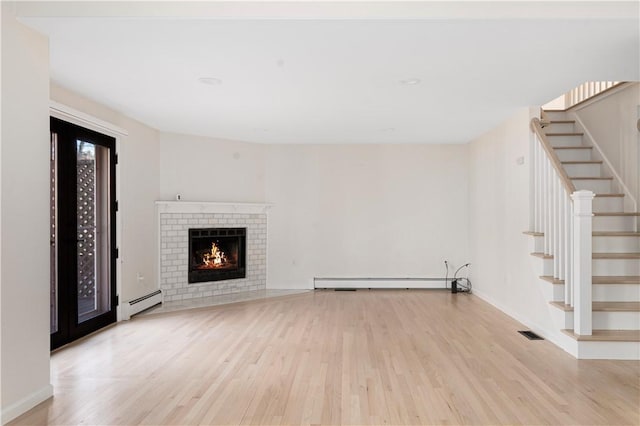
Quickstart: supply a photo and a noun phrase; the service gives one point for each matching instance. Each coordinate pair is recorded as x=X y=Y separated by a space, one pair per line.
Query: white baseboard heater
x=379 y=283
x=140 y=304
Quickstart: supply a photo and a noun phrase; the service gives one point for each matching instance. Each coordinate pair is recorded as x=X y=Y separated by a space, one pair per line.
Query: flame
x=215 y=257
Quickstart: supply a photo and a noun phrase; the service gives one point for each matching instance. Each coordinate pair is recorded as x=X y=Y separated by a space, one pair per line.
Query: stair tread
x=603 y=306
x=534 y=233
x=565 y=134
x=615 y=234
x=582 y=162
x=542 y=255
x=595 y=233
x=607 y=336
x=551 y=279
x=615 y=279
x=630 y=255
x=600 y=279
x=572 y=147
x=590 y=178
x=617 y=214
x=562 y=121
x=609 y=195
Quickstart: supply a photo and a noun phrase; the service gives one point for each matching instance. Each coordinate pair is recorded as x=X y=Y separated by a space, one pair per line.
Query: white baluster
x=561 y=233
x=534 y=181
x=547 y=209
x=543 y=211
x=570 y=274
x=582 y=260
x=550 y=208
x=554 y=215
x=539 y=183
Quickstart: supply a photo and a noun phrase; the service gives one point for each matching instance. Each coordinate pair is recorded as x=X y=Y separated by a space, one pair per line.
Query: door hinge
x=116 y=158
x=117 y=206
x=117 y=299
x=117 y=253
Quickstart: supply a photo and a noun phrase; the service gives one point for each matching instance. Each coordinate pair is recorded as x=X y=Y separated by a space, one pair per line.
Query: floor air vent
x=530 y=335
x=344 y=289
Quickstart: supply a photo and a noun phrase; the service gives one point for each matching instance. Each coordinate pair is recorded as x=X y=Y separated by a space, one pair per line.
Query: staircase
x=589 y=264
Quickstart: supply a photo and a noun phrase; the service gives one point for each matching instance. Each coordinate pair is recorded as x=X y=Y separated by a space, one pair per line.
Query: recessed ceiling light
x=410 y=81
x=211 y=81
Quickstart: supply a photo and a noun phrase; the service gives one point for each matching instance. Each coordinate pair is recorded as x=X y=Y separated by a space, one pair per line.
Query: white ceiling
x=315 y=77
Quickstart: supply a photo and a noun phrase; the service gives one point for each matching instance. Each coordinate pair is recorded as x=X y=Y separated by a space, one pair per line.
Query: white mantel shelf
x=211 y=207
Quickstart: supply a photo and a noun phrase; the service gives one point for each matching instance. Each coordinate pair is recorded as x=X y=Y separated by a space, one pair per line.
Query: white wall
x=139 y=176
x=503 y=272
x=205 y=169
x=612 y=123
x=24 y=191
x=365 y=211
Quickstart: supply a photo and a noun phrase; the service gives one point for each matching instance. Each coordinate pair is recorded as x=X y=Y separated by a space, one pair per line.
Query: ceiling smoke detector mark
x=388 y=130
x=520 y=161
x=210 y=81
x=410 y=82
x=280 y=63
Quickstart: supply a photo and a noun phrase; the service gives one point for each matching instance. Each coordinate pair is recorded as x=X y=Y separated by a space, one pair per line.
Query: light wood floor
x=365 y=357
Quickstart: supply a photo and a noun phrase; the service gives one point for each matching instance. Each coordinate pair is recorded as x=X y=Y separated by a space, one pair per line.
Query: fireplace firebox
x=216 y=254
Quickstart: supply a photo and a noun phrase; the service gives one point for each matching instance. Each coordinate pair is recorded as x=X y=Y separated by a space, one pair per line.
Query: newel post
x=582 y=259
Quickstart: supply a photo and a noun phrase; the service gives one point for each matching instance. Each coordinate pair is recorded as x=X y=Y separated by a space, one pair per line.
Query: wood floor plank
x=323 y=357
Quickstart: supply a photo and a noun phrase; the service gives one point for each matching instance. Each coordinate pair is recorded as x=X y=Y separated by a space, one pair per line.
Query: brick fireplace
x=177 y=218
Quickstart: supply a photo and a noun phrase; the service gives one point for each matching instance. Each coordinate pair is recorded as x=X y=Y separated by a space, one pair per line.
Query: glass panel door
x=83 y=256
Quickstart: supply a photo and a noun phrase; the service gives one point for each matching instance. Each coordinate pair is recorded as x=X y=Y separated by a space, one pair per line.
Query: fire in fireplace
x=216 y=254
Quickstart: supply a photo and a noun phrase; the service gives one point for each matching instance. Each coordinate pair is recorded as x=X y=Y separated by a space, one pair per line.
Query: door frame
x=74 y=116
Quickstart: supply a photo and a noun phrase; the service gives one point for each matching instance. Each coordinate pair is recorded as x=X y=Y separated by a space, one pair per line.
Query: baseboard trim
x=18 y=408
x=378 y=283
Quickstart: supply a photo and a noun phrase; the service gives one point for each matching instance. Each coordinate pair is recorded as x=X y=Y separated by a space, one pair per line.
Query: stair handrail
x=536 y=126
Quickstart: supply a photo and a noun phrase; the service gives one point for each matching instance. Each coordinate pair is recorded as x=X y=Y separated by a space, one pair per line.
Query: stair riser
x=538 y=245
x=583 y=170
x=565 y=140
x=574 y=154
x=542 y=266
x=608 y=350
x=623 y=267
x=552 y=292
x=616 y=320
x=556 y=115
x=562 y=319
x=603 y=320
x=608 y=204
x=615 y=293
x=613 y=223
x=600 y=292
x=560 y=128
x=616 y=244
x=593 y=185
